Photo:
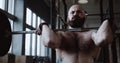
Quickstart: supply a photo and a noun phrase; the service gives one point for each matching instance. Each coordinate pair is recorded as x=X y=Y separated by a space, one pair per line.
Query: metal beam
x=12 y=17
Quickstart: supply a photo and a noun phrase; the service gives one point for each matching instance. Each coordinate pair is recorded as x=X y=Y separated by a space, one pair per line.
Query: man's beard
x=76 y=22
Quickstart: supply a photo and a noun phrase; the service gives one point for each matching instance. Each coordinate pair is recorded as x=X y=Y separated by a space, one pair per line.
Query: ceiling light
x=82 y=1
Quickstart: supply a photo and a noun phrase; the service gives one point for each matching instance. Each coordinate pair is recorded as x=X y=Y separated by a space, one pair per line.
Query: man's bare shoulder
x=93 y=30
x=64 y=33
x=87 y=31
x=90 y=32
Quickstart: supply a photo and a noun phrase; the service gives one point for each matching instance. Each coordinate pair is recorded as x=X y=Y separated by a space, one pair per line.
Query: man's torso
x=77 y=47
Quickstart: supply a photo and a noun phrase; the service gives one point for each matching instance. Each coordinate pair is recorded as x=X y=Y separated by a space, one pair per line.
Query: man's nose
x=75 y=13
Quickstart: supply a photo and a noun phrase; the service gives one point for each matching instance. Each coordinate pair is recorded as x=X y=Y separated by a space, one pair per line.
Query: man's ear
x=67 y=19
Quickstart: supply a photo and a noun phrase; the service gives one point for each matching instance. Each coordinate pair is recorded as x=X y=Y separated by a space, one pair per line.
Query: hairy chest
x=76 y=41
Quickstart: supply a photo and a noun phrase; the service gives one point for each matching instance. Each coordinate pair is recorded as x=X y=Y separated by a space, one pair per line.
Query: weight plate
x=5 y=34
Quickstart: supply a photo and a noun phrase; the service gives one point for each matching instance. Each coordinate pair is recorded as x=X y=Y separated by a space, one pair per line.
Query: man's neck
x=69 y=27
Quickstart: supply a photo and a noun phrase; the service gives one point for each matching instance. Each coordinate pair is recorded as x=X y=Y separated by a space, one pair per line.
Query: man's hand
x=39 y=30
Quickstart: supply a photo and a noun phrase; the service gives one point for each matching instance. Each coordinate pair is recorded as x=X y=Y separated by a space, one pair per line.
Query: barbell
x=6 y=33
x=34 y=31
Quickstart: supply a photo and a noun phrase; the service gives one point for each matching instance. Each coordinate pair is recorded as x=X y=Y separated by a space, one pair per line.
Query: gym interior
x=26 y=15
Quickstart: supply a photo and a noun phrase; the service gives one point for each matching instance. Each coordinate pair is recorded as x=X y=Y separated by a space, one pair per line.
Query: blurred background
x=26 y=15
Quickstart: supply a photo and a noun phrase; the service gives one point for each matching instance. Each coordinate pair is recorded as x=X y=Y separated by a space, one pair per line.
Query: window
x=2 y=4
x=33 y=44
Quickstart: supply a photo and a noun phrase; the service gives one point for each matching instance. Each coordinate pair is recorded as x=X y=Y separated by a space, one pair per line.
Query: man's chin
x=75 y=24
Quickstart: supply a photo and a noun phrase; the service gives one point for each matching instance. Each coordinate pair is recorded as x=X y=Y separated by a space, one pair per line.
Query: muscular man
x=77 y=47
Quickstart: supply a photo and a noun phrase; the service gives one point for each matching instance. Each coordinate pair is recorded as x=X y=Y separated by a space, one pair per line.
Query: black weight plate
x=5 y=34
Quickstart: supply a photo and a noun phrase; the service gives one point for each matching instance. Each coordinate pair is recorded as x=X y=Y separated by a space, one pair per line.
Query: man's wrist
x=41 y=25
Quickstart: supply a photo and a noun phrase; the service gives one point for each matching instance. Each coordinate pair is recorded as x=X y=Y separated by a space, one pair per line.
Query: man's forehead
x=75 y=7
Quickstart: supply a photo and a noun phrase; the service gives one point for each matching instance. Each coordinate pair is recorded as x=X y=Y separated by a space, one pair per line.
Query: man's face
x=76 y=16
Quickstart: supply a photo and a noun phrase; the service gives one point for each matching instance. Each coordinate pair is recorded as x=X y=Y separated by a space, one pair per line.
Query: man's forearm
x=49 y=37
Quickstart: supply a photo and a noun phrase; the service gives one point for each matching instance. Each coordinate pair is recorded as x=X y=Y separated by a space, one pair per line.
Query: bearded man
x=77 y=46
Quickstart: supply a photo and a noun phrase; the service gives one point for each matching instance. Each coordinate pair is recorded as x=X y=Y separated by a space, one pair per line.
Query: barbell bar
x=34 y=31
x=24 y=32
x=70 y=30
x=6 y=33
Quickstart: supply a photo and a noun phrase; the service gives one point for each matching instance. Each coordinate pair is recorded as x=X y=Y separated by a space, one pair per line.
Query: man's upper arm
x=103 y=35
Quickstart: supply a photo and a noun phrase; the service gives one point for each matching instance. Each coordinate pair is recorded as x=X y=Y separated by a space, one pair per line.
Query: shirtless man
x=77 y=47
